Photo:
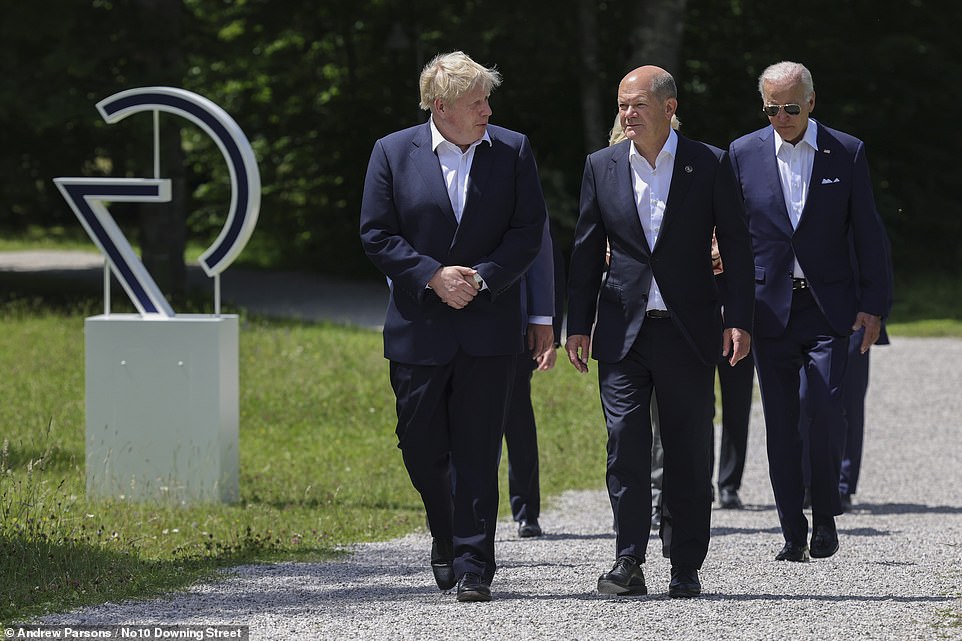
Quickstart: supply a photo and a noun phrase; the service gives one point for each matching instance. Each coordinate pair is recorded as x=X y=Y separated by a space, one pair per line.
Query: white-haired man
x=821 y=272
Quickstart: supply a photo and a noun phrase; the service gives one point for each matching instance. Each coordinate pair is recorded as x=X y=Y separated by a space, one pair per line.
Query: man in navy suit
x=452 y=213
x=544 y=307
x=821 y=272
x=656 y=198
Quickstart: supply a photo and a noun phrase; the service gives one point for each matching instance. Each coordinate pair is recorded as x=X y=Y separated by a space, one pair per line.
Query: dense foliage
x=314 y=84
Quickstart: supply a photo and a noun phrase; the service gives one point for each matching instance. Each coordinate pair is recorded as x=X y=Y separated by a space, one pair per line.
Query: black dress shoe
x=729 y=499
x=824 y=539
x=528 y=528
x=792 y=552
x=472 y=588
x=846 y=500
x=684 y=583
x=442 y=563
x=626 y=578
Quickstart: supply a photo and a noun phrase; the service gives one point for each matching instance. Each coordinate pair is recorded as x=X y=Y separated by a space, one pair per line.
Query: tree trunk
x=595 y=120
x=163 y=227
x=657 y=38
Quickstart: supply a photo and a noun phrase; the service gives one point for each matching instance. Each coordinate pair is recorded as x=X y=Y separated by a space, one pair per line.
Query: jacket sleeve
x=587 y=258
x=381 y=234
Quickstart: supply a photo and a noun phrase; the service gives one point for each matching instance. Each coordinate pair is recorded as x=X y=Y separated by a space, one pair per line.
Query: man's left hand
x=735 y=344
x=540 y=339
x=873 y=327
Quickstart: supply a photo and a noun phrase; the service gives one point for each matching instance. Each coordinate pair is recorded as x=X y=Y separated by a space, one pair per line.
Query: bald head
x=655 y=80
x=646 y=104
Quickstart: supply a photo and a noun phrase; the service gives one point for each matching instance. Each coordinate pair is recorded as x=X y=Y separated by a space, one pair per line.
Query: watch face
x=478 y=280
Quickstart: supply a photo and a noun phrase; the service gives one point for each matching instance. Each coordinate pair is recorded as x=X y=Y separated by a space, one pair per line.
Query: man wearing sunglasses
x=821 y=272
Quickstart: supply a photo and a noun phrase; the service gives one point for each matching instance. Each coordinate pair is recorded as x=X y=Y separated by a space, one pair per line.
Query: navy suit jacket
x=840 y=241
x=409 y=231
x=702 y=197
x=538 y=282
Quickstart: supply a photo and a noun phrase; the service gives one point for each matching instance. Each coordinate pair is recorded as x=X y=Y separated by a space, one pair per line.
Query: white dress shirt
x=455 y=166
x=795 y=171
x=651 y=185
x=456 y=169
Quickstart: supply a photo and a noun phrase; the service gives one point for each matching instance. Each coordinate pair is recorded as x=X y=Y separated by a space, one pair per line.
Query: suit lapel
x=821 y=168
x=430 y=170
x=478 y=180
x=682 y=174
x=769 y=169
x=620 y=182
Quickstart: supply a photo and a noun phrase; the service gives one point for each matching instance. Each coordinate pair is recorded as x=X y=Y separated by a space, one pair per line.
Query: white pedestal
x=162 y=407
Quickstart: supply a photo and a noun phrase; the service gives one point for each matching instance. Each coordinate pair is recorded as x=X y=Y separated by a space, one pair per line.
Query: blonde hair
x=617 y=134
x=451 y=75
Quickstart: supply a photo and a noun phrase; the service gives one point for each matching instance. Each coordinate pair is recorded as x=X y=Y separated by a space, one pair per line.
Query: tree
x=163 y=227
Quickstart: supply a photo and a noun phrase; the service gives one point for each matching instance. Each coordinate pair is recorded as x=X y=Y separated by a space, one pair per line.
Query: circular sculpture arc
x=245 y=180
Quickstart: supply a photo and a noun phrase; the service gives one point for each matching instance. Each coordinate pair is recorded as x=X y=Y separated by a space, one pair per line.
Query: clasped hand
x=455 y=285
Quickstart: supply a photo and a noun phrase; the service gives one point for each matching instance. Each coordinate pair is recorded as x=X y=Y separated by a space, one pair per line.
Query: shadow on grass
x=43 y=576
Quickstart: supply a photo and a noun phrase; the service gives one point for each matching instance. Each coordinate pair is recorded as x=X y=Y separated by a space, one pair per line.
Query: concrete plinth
x=162 y=407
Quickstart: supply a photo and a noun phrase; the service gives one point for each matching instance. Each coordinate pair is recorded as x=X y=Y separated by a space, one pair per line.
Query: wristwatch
x=478 y=280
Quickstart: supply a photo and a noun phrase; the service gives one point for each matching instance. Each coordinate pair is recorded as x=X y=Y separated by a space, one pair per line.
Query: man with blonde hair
x=452 y=213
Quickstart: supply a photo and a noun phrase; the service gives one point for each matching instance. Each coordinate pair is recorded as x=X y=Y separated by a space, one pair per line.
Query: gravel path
x=898 y=574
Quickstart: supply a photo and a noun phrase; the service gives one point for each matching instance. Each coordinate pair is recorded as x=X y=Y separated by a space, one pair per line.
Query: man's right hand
x=578 y=347
x=454 y=285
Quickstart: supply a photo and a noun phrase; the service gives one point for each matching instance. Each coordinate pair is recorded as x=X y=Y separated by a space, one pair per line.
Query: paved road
x=299 y=295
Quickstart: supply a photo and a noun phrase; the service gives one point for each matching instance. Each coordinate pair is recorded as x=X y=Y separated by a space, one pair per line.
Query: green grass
x=66 y=238
x=927 y=306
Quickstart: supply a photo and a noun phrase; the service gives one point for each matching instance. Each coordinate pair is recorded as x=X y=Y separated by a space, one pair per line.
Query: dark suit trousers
x=856 y=386
x=807 y=346
x=450 y=425
x=521 y=437
x=736 y=384
x=661 y=359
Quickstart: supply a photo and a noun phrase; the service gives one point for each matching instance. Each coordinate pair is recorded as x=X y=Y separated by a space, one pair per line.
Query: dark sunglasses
x=772 y=110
